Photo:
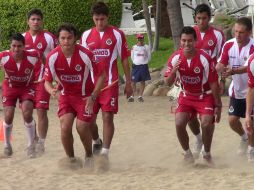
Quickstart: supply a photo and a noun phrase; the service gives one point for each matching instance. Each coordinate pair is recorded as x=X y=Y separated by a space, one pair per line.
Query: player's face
x=242 y=35
x=187 y=43
x=17 y=48
x=66 y=40
x=35 y=22
x=100 y=21
x=202 y=20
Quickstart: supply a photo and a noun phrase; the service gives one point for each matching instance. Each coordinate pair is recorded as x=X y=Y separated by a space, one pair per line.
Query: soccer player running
x=211 y=41
x=107 y=43
x=234 y=54
x=77 y=71
x=195 y=68
x=19 y=65
x=43 y=41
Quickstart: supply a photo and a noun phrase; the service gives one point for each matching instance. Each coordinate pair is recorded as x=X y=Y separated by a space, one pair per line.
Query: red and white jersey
x=140 y=55
x=194 y=73
x=20 y=74
x=107 y=46
x=235 y=57
x=75 y=74
x=210 y=41
x=250 y=71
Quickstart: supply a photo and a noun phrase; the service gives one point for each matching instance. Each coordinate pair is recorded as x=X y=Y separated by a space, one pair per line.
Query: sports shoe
x=140 y=99
x=188 y=158
x=88 y=163
x=131 y=99
x=31 y=151
x=197 y=148
x=250 y=155
x=39 y=148
x=8 y=151
x=97 y=148
x=207 y=159
x=243 y=146
x=102 y=163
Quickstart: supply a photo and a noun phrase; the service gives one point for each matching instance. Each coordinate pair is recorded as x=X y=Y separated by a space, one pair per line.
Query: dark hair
x=34 y=12
x=100 y=8
x=201 y=8
x=189 y=30
x=18 y=37
x=246 y=22
x=67 y=27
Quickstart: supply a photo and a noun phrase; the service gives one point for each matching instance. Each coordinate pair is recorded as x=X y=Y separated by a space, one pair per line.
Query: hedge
x=13 y=15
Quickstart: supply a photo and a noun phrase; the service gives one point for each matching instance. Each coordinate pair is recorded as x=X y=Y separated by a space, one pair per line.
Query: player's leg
x=131 y=98
x=141 y=91
x=195 y=129
x=250 y=151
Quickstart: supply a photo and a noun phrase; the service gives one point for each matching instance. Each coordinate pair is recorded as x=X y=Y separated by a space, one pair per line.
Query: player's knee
x=206 y=123
x=232 y=121
x=108 y=119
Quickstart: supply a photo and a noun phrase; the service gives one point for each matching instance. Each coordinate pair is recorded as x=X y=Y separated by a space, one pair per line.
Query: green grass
x=159 y=58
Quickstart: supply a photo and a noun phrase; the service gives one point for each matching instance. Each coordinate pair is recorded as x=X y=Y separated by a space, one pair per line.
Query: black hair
x=67 y=27
x=100 y=8
x=18 y=37
x=246 y=22
x=201 y=8
x=34 y=12
x=189 y=30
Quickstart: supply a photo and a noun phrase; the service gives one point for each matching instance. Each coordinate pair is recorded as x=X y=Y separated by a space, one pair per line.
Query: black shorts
x=140 y=73
x=237 y=107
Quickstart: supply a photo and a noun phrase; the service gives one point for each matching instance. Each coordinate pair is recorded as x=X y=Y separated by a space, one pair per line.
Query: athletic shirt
x=193 y=73
x=20 y=74
x=140 y=55
x=250 y=71
x=43 y=42
x=76 y=76
x=234 y=57
x=107 y=46
x=211 y=41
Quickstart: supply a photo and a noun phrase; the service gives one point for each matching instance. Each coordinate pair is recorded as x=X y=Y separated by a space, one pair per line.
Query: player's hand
x=248 y=124
x=217 y=113
x=53 y=92
x=128 y=91
x=227 y=72
x=89 y=105
x=176 y=66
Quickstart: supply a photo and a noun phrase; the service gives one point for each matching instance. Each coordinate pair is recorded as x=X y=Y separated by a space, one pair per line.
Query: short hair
x=35 y=12
x=100 y=8
x=189 y=30
x=201 y=8
x=67 y=27
x=246 y=22
x=18 y=37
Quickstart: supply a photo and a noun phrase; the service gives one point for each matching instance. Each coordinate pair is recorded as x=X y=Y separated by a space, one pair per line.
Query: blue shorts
x=237 y=107
x=140 y=73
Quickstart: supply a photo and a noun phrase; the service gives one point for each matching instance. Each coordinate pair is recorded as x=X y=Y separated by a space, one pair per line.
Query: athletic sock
x=30 y=127
x=188 y=151
x=105 y=151
x=206 y=153
x=7 y=133
x=199 y=137
x=42 y=141
x=244 y=137
x=250 y=148
x=97 y=141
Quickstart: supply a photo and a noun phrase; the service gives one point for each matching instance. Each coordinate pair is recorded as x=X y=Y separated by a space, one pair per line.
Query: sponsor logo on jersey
x=210 y=42
x=197 y=70
x=109 y=41
x=232 y=57
x=39 y=45
x=78 y=68
x=43 y=102
x=231 y=109
x=71 y=78
x=27 y=71
x=31 y=92
x=190 y=80
x=19 y=79
x=101 y=52
x=90 y=43
x=4 y=99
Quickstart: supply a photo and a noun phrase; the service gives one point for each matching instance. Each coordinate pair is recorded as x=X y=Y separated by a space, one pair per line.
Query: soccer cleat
x=188 y=158
x=243 y=146
x=131 y=99
x=197 y=149
x=207 y=159
x=140 y=99
x=97 y=148
x=88 y=163
x=31 y=151
x=39 y=148
x=8 y=151
x=250 y=155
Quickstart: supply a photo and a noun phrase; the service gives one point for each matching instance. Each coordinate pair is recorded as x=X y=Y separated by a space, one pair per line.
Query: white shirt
x=140 y=55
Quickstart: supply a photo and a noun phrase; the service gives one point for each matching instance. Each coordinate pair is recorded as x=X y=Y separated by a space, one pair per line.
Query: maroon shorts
x=41 y=100
x=75 y=105
x=12 y=94
x=108 y=99
x=202 y=105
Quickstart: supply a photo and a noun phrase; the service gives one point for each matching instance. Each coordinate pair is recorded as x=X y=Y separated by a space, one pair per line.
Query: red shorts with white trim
x=12 y=94
x=202 y=105
x=108 y=99
x=75 y=105
x=41 y=100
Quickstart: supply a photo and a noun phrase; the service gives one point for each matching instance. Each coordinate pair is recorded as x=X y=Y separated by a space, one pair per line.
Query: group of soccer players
x=202 y=59
x=83 y=76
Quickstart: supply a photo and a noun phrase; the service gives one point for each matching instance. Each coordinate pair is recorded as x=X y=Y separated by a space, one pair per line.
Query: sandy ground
x=145 y=154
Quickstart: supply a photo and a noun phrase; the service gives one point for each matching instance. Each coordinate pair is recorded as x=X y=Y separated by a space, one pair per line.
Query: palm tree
x=157 y=26
x=148 y=23
x=175 y=19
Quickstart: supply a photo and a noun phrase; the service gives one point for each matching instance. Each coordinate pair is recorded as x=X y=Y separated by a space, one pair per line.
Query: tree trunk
x=148 y=23
x=176 y=20
x=165 y=30
x=157 y=26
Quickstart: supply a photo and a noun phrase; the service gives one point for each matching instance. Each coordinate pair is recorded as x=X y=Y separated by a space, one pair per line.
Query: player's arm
x=49 y=77
x=126 y=68
x=218 y=104
x=170 y=74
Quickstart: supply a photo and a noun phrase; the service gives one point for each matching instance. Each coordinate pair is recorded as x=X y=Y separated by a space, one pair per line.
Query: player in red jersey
x=195 y=69
x=18 y=65
x=81 y=81
x=107 y=43
x=43 y=41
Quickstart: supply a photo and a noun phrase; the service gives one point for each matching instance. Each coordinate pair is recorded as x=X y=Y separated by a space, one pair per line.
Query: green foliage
x=137 y=5
x=13 y=15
